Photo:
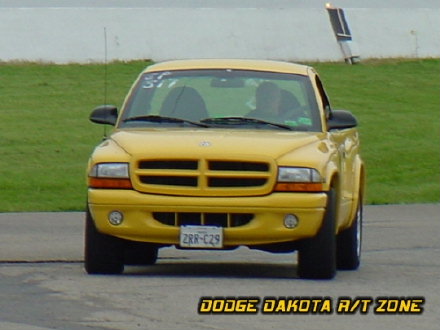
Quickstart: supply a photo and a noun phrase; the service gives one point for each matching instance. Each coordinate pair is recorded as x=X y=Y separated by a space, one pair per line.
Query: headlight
x=298 y=179
x=298 y=174
x=110 y=176
x=110 y=170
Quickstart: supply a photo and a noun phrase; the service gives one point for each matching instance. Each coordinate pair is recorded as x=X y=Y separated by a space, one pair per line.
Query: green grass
x=46 y=137
x=397 y=104
x=45 y=133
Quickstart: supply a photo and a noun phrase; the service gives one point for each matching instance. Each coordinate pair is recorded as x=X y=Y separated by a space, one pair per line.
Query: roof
x=242 y=64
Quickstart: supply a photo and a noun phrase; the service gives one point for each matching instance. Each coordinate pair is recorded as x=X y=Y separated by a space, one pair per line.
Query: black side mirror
x=104 y=114
x=341 y=119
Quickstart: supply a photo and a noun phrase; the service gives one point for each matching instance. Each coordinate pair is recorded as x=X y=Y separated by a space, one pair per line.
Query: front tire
x=140 y=254
x=317 y=256
x=103 y=254
x=349 y=243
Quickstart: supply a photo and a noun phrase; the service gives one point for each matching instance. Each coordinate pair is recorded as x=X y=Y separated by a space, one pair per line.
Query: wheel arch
x=360 y=183
x=358 y=190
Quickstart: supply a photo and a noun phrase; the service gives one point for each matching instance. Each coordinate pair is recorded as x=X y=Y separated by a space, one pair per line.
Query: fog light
x=290 y=221
x=115 y=218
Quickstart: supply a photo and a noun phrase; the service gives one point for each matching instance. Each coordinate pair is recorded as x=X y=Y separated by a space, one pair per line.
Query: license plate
x=206 y=237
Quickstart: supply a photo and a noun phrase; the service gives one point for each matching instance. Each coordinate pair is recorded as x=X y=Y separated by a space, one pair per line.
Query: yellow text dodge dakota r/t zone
x=216 y=154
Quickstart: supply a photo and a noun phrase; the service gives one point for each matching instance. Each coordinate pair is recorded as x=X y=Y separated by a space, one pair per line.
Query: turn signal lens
x=106 y=183
x=307 y=187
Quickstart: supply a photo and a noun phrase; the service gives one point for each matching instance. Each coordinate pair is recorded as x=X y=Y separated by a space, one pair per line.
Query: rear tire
x=103 y=254
x=349 y=243
x=317 y=255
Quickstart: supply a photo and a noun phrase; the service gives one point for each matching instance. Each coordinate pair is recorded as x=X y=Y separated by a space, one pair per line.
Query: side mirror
x=104 y=114
x=341 y=119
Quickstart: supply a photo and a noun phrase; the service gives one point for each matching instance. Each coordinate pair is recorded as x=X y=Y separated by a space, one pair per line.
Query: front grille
x=168 y=164
x=221 y=165
x=184 y=181
x=203 y=177
x=206 y=219
x=235 y=182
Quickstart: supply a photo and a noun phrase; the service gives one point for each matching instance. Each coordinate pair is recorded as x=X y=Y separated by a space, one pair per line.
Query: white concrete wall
x=299 y=34
x=411 y=32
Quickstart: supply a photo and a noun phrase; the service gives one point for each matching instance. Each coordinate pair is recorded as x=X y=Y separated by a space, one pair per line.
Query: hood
x=158 y=143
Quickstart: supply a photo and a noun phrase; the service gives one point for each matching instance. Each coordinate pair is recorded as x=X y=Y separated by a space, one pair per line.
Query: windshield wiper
x=162 y=119
x=243 y=120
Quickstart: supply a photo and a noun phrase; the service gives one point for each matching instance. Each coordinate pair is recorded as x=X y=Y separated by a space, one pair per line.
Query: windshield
x=223 y=98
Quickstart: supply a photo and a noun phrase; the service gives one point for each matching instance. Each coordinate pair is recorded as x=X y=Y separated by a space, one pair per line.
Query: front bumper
x=266 y=227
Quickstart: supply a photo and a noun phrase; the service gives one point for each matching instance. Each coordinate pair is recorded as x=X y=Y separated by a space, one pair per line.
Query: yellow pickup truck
x=217 y=154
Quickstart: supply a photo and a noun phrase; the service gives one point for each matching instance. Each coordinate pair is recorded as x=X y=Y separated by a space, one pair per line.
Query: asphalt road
x=43 y=285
